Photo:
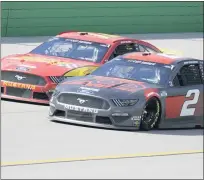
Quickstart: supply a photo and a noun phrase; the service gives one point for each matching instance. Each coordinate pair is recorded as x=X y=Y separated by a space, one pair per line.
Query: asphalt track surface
x=34 y=147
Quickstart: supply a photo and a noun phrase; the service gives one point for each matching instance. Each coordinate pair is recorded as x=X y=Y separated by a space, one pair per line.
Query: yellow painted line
x=32 y=162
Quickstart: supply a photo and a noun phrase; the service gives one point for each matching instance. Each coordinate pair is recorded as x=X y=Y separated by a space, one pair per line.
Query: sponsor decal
x=163 y=94
x=87 y=90
x=21 y=68
x=136 y=123
x=169 y=66
x=105 y=45
x=19 y=85
x=79 y=41
x=122 y=42
x=66 y=65
x=113 y=84
x=90 y=89
x=81 y=71
x=142 y=62
x=136 y=118
x=81 y=109
x=28 y=66
x=49 y=61
x=129 y=87
x=191 y=62
x=25 y=67
x=99 y=83
x=37 y=59
x=120 y=114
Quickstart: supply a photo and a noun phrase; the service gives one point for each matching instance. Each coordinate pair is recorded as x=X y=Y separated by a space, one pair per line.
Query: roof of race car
x=155 y=57
x=91 y=36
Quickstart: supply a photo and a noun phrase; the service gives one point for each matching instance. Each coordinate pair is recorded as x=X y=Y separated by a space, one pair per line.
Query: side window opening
x=143 y=48
x=123 y=49
x=150 y=49
x=188 y=75
x=139 y=48
x=128 y=48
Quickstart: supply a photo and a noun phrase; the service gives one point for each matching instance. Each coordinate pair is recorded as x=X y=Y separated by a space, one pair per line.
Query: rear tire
x=150 y=115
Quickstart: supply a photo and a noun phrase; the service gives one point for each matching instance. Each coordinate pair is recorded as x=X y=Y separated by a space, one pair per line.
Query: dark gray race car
x=134 y=91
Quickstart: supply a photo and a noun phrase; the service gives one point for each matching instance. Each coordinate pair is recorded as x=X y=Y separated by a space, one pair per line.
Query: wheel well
x=152 y=105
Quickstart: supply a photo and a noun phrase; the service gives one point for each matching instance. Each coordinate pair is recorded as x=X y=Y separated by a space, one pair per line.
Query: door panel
x=184 y=102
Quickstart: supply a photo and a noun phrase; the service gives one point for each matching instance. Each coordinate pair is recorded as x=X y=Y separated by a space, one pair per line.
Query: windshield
x=135 y=70
x=71 y=48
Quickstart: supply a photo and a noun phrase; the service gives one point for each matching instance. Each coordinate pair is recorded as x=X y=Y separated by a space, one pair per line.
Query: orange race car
x=33 y=76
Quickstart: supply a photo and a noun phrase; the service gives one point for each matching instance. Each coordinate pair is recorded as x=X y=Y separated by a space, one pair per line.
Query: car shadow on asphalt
x=23 y=102
x=180 y=131
x=176 y=132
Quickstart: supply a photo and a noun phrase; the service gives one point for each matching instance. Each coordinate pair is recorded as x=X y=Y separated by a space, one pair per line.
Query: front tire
x=150 y=114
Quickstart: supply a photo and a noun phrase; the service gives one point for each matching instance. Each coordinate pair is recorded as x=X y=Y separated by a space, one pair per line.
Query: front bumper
x=91 y=124
x=26 y=92
x=113 y=118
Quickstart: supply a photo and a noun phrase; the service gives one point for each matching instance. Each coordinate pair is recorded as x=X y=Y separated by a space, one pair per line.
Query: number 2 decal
x=185 y=111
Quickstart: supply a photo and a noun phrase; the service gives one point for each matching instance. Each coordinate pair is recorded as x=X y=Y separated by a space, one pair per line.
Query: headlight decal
x=125 y=102
x=57 y=79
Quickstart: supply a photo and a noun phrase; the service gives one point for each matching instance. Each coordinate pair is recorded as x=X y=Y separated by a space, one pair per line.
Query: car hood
x=44 y=65
x=104 y=86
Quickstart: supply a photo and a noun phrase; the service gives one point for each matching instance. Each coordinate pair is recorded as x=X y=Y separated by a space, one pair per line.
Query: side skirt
x=182 y=122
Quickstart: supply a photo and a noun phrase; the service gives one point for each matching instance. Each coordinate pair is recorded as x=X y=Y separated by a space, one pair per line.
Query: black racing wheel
x=151 y=114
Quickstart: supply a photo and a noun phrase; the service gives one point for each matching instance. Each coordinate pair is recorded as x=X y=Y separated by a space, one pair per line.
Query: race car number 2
x=185 y=111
